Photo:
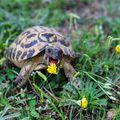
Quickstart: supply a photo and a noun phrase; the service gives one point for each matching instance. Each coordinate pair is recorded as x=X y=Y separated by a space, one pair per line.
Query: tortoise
x=38 y=46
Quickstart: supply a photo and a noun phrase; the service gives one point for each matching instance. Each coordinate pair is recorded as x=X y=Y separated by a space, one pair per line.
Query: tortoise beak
x=52 y=60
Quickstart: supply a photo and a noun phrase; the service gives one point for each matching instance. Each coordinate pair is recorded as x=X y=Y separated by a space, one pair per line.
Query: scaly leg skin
x=70 y=72
x=23 y=76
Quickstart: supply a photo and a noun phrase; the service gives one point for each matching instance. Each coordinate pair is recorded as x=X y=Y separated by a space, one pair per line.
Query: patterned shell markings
x=34 y=40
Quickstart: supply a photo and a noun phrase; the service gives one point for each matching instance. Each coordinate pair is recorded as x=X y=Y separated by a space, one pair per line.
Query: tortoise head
x=53 y=54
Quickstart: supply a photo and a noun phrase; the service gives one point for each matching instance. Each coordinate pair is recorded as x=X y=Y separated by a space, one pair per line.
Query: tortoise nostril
x=56 y=55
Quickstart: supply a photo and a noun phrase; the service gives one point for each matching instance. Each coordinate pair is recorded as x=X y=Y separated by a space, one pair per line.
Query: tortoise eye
x=60 y=52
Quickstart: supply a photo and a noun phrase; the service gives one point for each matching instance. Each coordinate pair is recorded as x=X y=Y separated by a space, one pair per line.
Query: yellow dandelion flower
x=117 y=49
x=84 y=102
x=52 y=69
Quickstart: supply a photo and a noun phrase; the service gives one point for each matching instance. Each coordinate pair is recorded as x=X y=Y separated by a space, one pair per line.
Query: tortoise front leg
x=23 y=76
x=28 y=67
x=69 y=70
x=70 y=73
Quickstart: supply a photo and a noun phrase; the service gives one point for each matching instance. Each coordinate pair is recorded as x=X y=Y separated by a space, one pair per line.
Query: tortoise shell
x=34 y=40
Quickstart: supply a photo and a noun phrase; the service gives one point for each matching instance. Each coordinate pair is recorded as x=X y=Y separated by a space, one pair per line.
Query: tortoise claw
x=18 y=80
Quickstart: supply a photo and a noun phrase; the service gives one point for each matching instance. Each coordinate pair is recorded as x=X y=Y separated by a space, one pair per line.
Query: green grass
x=53 y=97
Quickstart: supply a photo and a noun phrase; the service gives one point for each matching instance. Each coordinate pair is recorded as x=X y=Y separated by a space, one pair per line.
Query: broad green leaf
x=32 y=104
x=35 y=114
x=10 y=74
x=42 y=75
x=4 y=101
x=2 y=60
x=2 y=78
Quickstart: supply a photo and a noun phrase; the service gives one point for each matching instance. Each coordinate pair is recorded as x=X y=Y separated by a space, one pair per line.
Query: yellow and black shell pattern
x=34 y=40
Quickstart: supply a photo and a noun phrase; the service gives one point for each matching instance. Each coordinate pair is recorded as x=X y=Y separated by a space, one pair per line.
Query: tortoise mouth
x=53 y=61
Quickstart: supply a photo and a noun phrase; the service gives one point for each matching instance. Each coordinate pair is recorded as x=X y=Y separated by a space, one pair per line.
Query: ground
x=93 y=28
